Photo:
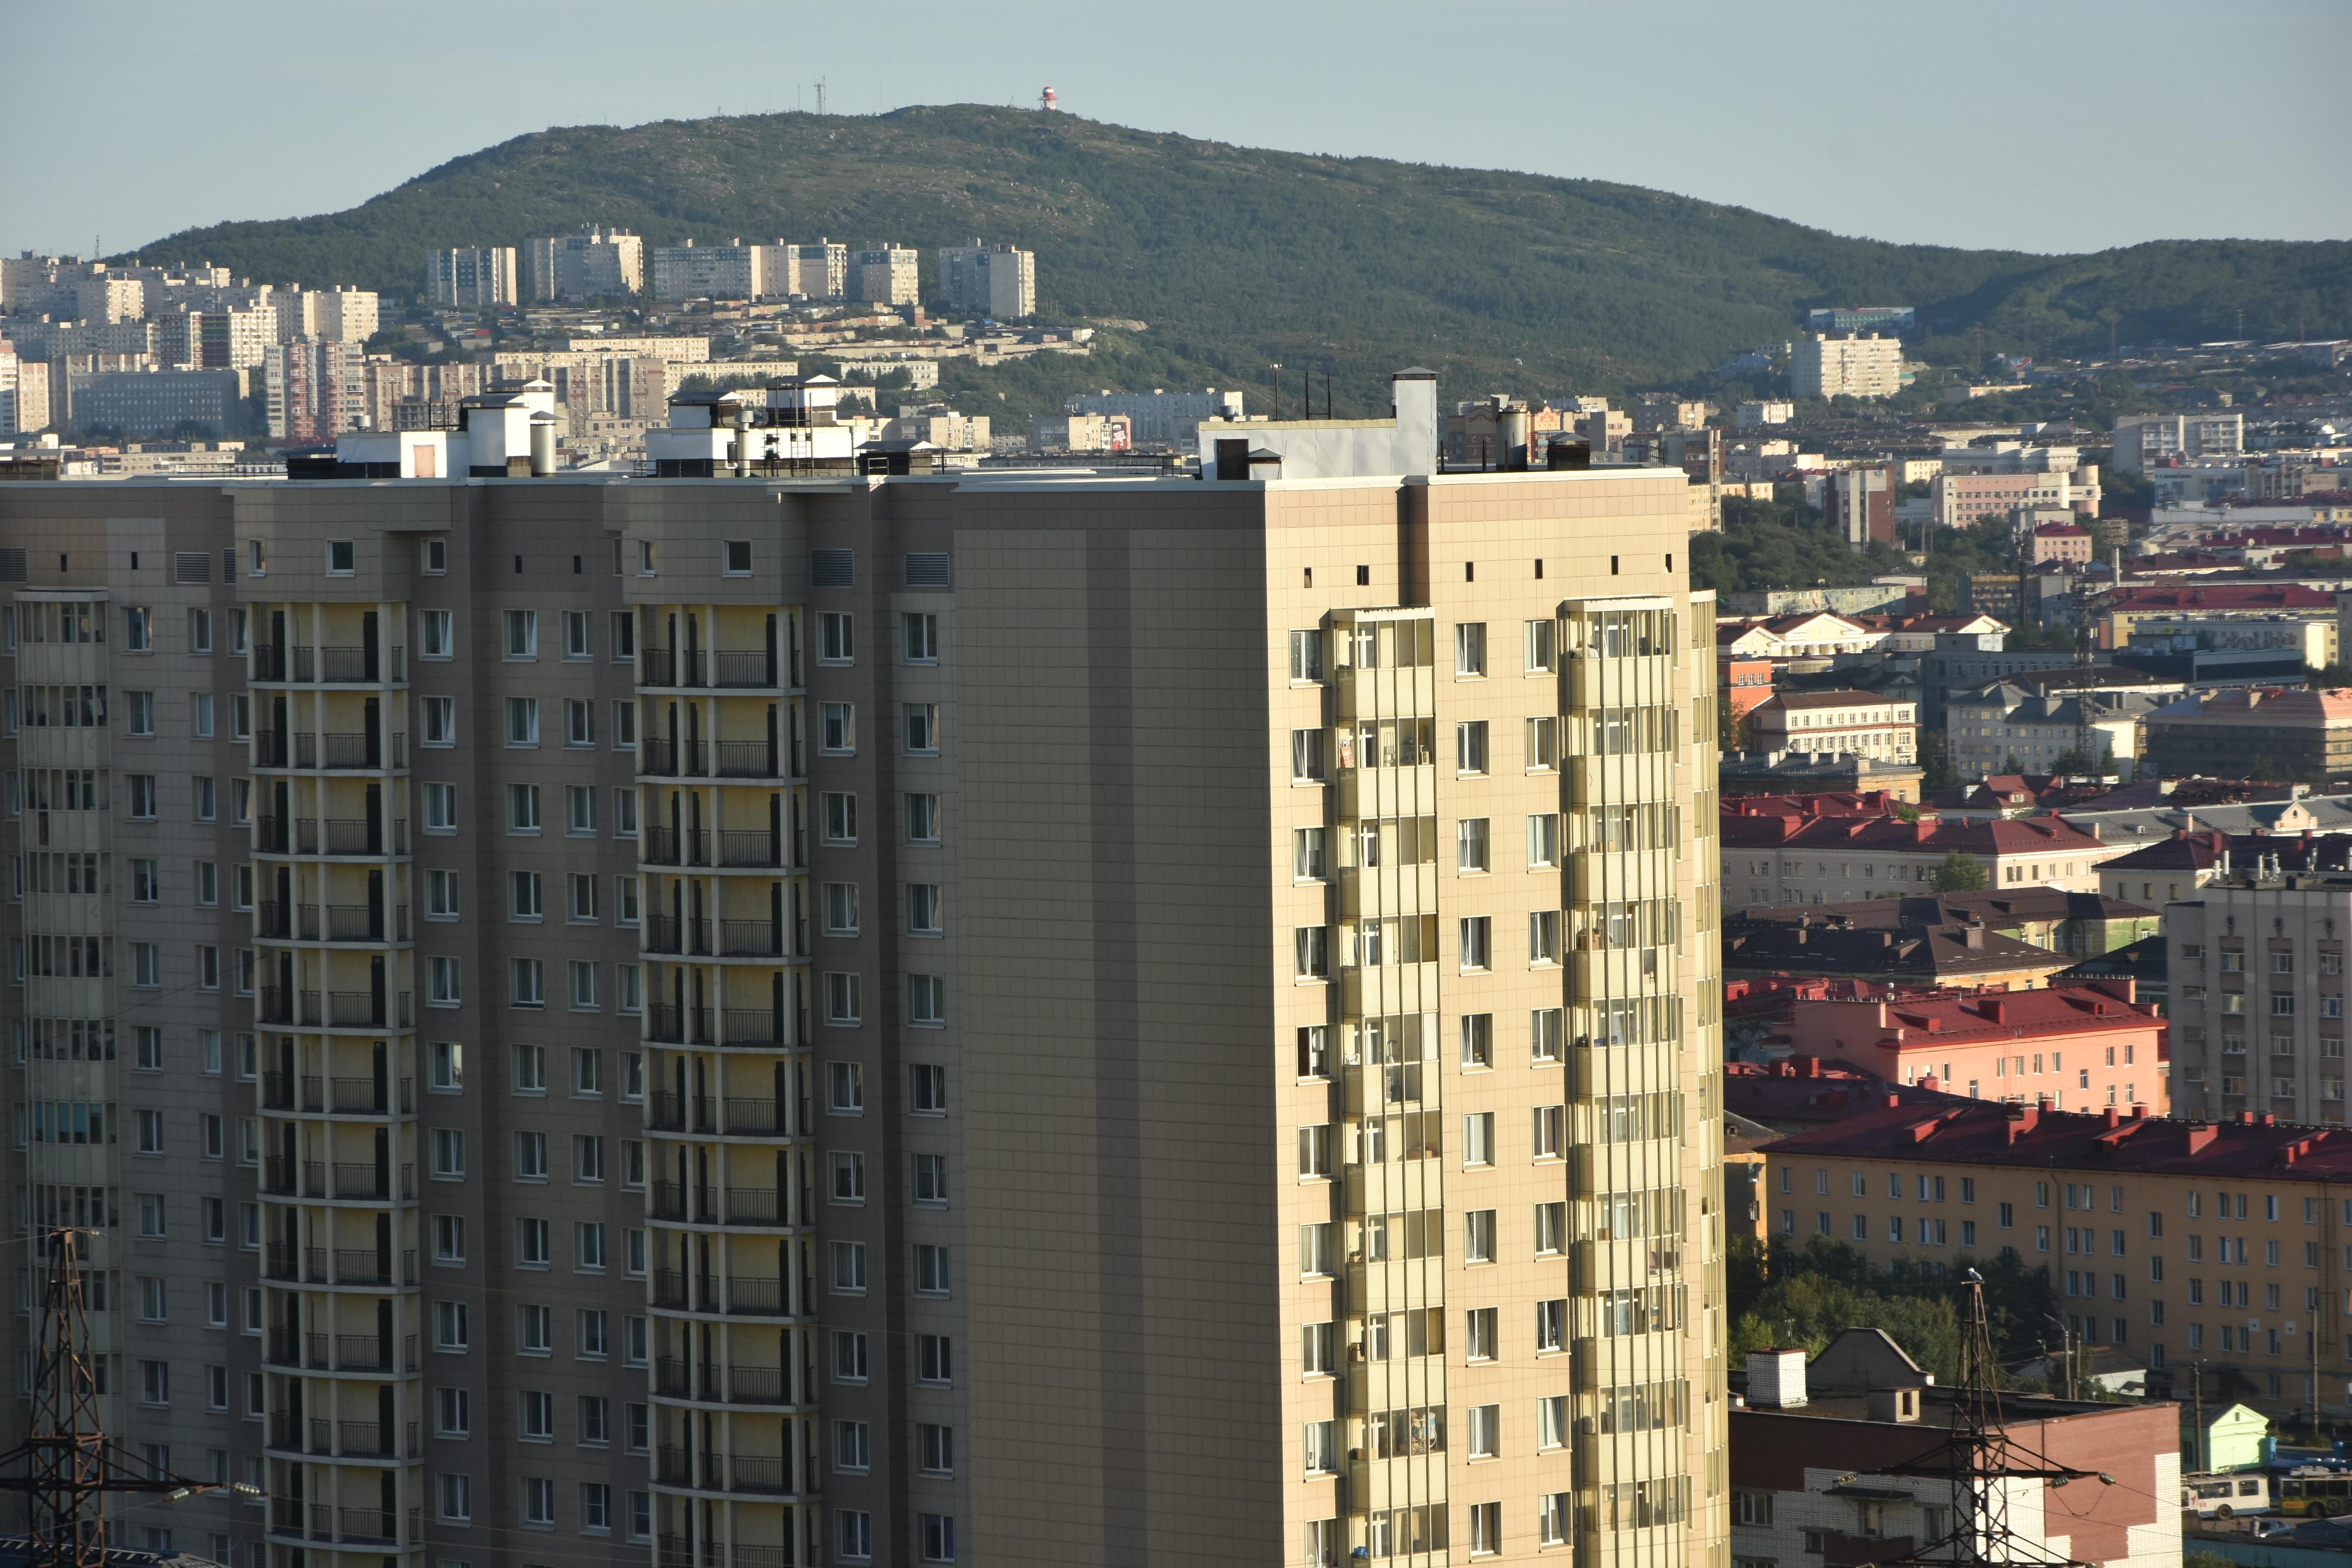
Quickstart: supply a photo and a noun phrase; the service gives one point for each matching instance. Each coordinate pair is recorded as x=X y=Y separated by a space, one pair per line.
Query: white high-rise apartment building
x=885 y=275
x=593 y=264
x=1846 y=365
x=994 y=281
x=769 y=1023
x=471 y=277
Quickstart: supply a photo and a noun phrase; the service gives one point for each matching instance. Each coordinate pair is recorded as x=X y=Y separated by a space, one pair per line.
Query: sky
x=2013 y=124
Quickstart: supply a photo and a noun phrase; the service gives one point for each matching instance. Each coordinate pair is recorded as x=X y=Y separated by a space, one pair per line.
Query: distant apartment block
x=1862 y=723
x=1081 y=432
x=24 y=394
x=885 y=275
x=598 y=263
x=2256 y=972
x=1846 y=366
x=1157 y=418
x=135 y=403
x=1749 y=416
x=471 y=277
x=1861 y=504
x=1957 y=500
x=340 y=315
x=1862 y=318
x=691 y=271
x=2262 y=733
x=2151 y=439
x=994 y=281
x=110 y=298
x=311 y=391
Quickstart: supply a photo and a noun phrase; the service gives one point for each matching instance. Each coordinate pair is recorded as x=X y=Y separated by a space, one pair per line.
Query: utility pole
x=66 y=1464
x=2197 y=1401
x=1980 y=1460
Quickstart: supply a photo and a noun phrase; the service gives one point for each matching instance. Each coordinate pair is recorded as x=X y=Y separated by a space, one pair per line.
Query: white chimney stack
x=1776 y=1379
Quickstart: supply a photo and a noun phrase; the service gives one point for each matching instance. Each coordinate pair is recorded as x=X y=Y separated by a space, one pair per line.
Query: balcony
x=333 y=1009
x=750 y=939
x=324 y=1438
x=336 y=1353
x=670 y=846
x=759 y=1028
x=715 y=1206
x=669 y=759
x=747 y=760
x=326 y=666
x=742 y=850
x=754 y=669
x=675 y=1378
x=332 y=751
x=677 y=1552
x=767 y=1474
x=355 y=1266
x=341 y=836
x=666 y=1025
x=347 y=1181
x=752 y=1117
x=343 y=1096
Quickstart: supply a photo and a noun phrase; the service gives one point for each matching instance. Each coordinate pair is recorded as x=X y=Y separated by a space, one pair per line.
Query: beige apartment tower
x=768 y=1023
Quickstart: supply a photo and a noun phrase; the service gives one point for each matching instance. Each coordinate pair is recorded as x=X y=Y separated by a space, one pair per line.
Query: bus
x=2316 y=1491
x=2226 y=1496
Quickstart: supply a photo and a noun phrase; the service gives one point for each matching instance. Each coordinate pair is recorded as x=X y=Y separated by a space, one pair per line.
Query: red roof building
x=1781 y=857
x=2016 y=1045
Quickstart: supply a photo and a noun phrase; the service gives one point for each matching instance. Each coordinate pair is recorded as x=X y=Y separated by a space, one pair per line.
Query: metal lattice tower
x=1979 y=1458
x=65 y=1465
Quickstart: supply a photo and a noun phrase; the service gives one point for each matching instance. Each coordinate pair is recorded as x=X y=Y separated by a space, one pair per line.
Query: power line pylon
x=1980 y=1459
x=66 y=1464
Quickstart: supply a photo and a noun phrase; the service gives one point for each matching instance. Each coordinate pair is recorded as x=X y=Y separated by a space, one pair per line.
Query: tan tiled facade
x=929 y=1020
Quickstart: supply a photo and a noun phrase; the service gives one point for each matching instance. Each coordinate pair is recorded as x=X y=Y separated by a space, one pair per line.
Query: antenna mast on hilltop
x=1980 y=1459
x=64 y=1464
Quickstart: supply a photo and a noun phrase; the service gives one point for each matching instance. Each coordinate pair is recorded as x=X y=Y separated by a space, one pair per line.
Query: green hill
x=1238 y=257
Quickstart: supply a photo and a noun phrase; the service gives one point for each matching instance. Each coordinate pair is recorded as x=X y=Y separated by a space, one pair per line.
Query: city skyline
x=1940 y=170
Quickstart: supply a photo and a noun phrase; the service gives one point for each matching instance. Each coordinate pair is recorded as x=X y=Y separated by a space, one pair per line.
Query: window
x=839 y=818
x=522 y=720
x=934 y=1359
x=922 y=819
x=450 y=1326
x=1543 y=1032
x=1306 y=756
x=579 y=722
x=538 y=1501
x=580 y=810
x=1543 y=840
x=1312 y=952
x=935 y=1448
x=521 y=633
x=921 y=639
x=522 y=809
x=922 y=727
x=834 y=641
x=853 y=1534
x=1478 y=934
x=1543 y=745
x=852 y=1447
x=1470 y=648
x=928 y=1090
x=1470 y=844
x=1543 y=936
x=453 y=1415
x=849 y=1267
x=1478 y=1138
x=838 y=734
x=937 y=1532
x=1470 y=747
x=435 y=636
x=535 y=1330
x=530 y=1156
x=624 y=724
x=927 y=1000
x=924 y=915
x=1478 y=1236
x=1539 y=646
x=848 y=1357
x=931 y=1269
x=1306 y=656
x=1482 y=1340
x=527 y=983
x=848 y=1178
x=1477 y=1040
x=1485 y=1432
x=342 y=558
x=1550 y=1132
x=841 y=999
x=1308 y=860
x=454 y=1495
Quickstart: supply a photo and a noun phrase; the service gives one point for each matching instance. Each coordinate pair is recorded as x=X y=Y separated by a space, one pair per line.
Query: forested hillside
x=1238 y=257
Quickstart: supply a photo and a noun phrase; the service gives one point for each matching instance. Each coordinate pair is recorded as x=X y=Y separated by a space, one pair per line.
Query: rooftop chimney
x=1894 y=1404
x=1776 y=1379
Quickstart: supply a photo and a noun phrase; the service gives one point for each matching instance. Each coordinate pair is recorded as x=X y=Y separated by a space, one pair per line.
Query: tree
x=1937 y=759
x=2074 y=760
x=1960 y=872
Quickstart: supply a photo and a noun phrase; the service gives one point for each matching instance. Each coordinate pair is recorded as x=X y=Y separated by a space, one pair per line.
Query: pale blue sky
x=2016 y=123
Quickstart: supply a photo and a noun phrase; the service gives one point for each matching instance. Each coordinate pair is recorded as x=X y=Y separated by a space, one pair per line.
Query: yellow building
x=2227 y=1246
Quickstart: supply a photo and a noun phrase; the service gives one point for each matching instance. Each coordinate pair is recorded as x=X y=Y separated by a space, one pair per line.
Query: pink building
x=2061 y=541
x=2080 y=1046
